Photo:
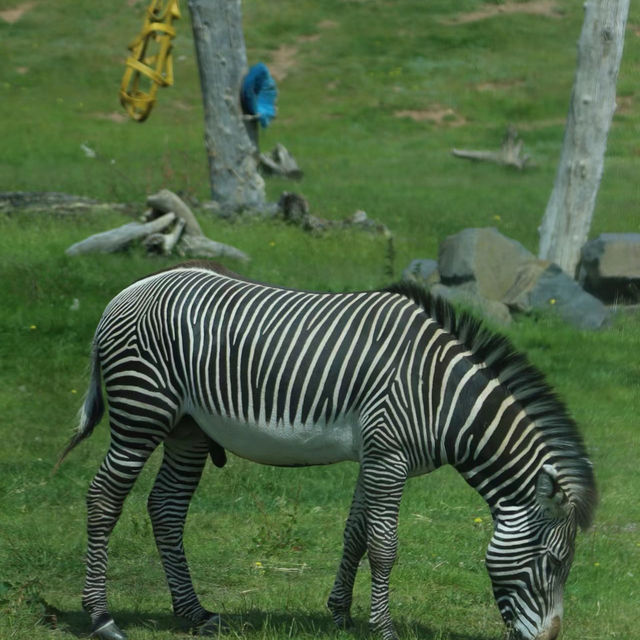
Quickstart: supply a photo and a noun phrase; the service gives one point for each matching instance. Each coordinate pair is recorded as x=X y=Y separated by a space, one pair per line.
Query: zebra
x=398 y=381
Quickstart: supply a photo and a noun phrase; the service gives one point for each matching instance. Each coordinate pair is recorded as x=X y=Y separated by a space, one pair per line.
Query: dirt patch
x=114 y=116
x=437 y=114
x=624 y=105
x=547 y=8
x=284 y=57
x=283 y=60
x=499 y=86
x=534 y=125
x=13 y=15
x=312 y=38
x=327 y=24
x=180 y=105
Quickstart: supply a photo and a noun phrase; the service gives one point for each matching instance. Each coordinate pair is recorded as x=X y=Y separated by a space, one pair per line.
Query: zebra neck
x=501 y=461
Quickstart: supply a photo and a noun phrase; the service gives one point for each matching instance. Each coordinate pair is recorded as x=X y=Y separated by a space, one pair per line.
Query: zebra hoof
x=344 y=622
x=214 y=626
x=107 y=630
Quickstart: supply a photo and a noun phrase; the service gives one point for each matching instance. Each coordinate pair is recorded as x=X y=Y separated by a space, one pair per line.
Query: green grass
x=357 y=64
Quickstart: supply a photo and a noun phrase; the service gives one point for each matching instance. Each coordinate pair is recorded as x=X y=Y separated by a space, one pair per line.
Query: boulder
x=541 y=285
x=465 y=296
x=423 y=271
x=484 y=257
x=610 y=267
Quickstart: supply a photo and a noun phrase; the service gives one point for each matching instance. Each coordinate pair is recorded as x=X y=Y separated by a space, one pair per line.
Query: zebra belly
x=281 y=444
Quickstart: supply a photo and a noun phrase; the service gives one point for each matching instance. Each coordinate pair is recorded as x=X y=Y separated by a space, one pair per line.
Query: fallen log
x=203 y=247
x=53 y=202
x=120 y=237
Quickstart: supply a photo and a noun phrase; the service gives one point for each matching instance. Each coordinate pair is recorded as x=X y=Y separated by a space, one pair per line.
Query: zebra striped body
x=204 y=363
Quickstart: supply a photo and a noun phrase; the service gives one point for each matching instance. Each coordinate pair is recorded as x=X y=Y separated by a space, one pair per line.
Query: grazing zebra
x=204 y=362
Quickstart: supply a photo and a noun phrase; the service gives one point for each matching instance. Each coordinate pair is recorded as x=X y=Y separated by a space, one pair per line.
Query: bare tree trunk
x=222 y=61
x=566 y=221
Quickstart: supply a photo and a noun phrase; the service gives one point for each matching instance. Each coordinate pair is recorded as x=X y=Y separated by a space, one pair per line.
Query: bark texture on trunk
x=567 y=219
x=222 y=62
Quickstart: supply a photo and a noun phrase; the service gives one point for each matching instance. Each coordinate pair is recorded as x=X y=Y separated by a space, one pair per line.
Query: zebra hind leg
x=186 y=450
x=355 y=545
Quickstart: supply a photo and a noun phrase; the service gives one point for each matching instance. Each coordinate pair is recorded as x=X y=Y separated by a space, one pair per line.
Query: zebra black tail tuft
x=91 y=411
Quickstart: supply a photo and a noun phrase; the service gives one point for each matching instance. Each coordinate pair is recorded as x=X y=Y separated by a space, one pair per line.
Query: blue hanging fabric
x=258 y=94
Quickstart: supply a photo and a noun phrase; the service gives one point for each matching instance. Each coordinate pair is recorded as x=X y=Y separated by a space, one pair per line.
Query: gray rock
x=467 y=296
x=483 y=256
x=541 y=285
x=610 y=267
x=424 y=271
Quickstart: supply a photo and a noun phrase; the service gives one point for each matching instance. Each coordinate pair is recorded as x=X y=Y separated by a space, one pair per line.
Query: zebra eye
x=555 y=560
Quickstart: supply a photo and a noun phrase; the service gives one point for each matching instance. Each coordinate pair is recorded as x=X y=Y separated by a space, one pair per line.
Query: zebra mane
x=527 y=385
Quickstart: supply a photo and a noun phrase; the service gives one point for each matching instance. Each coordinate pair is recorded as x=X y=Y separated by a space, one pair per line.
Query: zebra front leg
x=355 y=544
x=105 y=498
x=185 y=453
x=383 y=483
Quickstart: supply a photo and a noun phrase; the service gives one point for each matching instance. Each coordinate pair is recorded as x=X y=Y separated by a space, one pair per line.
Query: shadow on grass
x=292 y=623
x=78 y=624
x=300 y=623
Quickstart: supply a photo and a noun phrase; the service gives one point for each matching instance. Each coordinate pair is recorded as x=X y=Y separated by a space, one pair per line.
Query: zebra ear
x=550 y=494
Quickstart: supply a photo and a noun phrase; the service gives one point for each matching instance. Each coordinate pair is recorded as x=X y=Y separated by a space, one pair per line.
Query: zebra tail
x=91 y=410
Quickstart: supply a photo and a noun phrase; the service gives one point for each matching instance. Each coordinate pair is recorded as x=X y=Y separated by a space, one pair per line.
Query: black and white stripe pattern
x=204 y=362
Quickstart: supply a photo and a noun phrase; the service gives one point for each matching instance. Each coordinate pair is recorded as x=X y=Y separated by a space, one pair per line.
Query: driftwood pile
x=168 y=226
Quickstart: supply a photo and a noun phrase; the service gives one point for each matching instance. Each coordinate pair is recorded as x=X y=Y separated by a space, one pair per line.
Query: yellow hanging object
x=145 y=66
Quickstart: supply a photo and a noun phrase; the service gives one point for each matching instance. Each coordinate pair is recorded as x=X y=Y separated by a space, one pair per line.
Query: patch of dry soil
x=499 y=86
x=13 y=15
x=548 y=8
x=284 y=57
x=282 y=61
x=114 y=116
x=439 y=115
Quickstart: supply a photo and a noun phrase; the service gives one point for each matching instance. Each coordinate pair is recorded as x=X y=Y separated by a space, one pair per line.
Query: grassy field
x=373 y=96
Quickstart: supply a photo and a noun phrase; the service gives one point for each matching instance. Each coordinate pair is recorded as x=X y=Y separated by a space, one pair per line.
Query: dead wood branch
x=281 y=163
x=165 y=201
x=193 y=242
x=115 y=239
x=170 y=227
x=55 y=203
x=203 y=247
x=164 y=243
x=510 y=152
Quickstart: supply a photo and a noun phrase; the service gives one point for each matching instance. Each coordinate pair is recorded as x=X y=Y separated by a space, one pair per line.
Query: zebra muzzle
x=107 y=630
x=214 y=626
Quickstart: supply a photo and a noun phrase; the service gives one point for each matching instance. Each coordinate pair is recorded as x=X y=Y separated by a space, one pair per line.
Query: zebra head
x=529 y=557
